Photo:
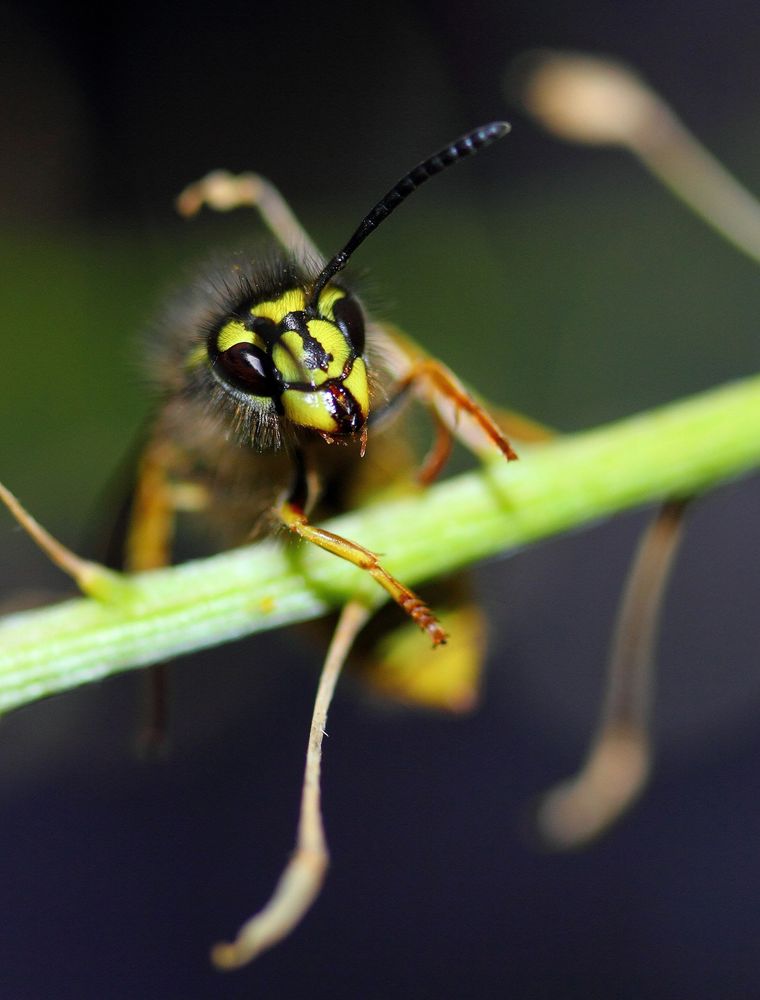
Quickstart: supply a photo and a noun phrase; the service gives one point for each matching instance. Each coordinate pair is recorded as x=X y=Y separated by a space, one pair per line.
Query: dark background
x=561 y=281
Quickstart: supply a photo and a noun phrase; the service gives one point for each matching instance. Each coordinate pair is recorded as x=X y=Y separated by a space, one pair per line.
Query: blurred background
x=560 y=281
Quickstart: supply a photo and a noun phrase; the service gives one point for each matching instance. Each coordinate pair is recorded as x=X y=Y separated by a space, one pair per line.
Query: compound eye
x=248 y=368
x=350 y=319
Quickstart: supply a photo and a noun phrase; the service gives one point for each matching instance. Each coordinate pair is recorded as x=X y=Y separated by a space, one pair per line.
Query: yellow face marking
x=294 y=300
x=327 y=300
x=314 y=409
x=333 y=342
x=308 y=409
x=289 y=354
x=235 y=333
x=356 y=383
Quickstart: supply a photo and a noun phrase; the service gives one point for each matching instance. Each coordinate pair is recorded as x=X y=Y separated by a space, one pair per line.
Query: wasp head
x=297 y=362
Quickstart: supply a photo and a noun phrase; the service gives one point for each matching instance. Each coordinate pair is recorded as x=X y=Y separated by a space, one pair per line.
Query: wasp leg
x=151 y=524
x=618 y=763
x=435 y=461
x=293 y=516
x=478 y=424
x=148 y=546
x=508 y=421
x=225 y=192
x=443 y=391
x=302 y=880
x=449 y=401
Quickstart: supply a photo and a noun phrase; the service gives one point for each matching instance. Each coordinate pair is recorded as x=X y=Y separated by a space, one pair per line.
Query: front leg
x=456 y=412
x=292 y=513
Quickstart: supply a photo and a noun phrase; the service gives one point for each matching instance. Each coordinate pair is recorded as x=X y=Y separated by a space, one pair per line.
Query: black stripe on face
x=313 y=387
x=314 y=355
x=347 y=413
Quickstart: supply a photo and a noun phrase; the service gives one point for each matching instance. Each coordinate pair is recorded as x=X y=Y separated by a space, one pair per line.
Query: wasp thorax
x=302 y=362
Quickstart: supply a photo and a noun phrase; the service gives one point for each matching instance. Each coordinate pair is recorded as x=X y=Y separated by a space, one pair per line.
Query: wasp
x=271 y=375
x=277 y=382
x=278 y=400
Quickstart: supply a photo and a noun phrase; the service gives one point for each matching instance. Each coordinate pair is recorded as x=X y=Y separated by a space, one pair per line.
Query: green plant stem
x=680 y=449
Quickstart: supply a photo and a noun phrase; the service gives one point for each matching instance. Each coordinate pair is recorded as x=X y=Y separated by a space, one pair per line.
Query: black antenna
x=467 y=145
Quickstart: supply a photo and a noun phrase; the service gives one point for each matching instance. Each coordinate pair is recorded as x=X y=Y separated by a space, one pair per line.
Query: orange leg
x=439 y=385
x=151 y=525
x=292 y=516
x=436 y=459
x=148 y=546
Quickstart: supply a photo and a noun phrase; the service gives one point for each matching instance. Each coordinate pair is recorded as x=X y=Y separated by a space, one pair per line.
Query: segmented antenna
x=467 y=145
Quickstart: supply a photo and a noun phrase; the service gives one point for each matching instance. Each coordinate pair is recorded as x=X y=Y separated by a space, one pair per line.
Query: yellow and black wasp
x=274 y=379
x=278 y=401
